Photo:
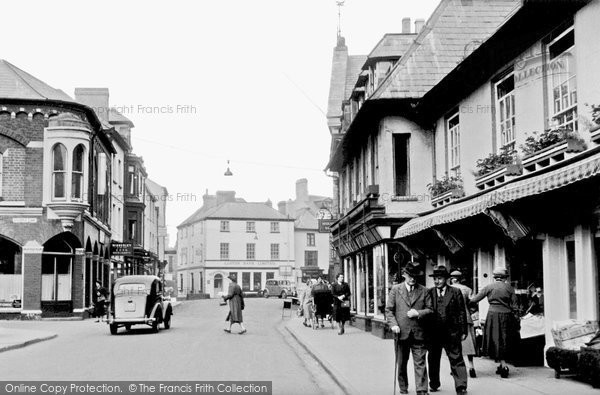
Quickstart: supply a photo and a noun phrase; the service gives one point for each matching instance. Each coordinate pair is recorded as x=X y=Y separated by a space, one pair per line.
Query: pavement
x=361 y=363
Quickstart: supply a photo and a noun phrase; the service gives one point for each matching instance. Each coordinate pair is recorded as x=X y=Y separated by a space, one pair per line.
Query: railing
x=10 y=289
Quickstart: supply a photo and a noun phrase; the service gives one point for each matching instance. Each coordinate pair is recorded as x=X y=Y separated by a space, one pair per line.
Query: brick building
x=55 y=188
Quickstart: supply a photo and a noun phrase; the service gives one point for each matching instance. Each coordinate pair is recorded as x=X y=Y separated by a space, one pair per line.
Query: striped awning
x=512 y=191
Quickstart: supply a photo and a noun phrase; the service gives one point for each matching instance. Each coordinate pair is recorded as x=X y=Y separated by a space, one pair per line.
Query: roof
x=391 y=45
x=114 y=116
x=306 y=220
x=240 y=210
x=156 y=189
x=136 y=279
x=455 y=29
x=355 y=65
x=18 y=84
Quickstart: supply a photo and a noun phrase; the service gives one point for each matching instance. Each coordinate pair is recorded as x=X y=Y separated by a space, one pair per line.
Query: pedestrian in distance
x=501 y=328
x=235 y=296
x=468 y=345
x=100 y=303
x=306 y=304
x=322 y=302
x=405 y=312
x=447 y=330
x=341 y=302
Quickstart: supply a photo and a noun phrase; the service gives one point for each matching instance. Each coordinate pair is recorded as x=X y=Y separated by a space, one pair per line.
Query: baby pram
x=322 y=305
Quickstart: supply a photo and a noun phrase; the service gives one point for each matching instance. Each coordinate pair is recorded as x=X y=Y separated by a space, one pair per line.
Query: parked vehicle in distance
x=139 y=300
x=279 y=288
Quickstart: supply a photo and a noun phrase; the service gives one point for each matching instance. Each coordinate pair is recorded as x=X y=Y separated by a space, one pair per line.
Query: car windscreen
x=132 y=289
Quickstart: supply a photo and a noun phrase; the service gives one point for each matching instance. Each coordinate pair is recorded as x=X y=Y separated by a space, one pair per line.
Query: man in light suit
x=448 y=330
x=405 y=309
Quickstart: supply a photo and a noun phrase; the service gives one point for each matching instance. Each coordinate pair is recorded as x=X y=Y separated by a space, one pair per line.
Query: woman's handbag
x=346 y=304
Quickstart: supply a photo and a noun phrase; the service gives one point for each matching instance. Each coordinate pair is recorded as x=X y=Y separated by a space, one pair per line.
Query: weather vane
x=339 y=3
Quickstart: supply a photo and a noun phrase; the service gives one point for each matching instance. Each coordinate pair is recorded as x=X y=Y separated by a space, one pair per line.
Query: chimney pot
x=405 y=25
x=419 y=23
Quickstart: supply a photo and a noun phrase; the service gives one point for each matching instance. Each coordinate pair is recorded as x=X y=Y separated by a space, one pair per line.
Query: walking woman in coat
x=501 y=334
x=235 y=296
x=341 y=294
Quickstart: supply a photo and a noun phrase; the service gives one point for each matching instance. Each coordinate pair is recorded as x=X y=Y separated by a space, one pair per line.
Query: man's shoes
x=499 y=369
x=434 y=389
x=504 y=372
x=242 y=332
x=403 y=391
x=461 y=391
x=421 y=392
x=472 y=373
x=227 y=330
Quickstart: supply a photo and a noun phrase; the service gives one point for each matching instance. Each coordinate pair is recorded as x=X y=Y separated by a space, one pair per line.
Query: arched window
x=77 y=172
x=59 y=167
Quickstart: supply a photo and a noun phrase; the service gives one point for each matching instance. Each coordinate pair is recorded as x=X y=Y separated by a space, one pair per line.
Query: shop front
x=543 y=229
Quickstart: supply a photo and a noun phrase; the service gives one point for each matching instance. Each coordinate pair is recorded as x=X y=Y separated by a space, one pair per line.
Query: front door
x=218 y=284
x=56 y=284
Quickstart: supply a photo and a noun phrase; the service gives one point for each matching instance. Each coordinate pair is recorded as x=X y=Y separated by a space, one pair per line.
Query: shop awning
x=517 y=189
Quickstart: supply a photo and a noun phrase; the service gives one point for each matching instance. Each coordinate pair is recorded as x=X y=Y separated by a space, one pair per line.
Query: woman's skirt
x=468 y=345
x=341 y=314
x=308 y=311
x=501 y=335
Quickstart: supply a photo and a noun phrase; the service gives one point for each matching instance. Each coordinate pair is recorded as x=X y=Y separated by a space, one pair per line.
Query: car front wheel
x=167 y=321
x=284 y=295
x=266 y=294
x=113 y=329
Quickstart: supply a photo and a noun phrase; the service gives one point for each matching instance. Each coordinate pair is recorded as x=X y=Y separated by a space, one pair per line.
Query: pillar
x=556 y=284
x=78 y=284
x=32 y=280
x=586 y=274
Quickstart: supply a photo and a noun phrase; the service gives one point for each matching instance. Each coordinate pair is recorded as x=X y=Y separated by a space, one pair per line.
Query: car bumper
x=131 y=320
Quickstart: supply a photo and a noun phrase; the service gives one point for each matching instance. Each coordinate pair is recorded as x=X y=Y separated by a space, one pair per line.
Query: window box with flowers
x=445 y=190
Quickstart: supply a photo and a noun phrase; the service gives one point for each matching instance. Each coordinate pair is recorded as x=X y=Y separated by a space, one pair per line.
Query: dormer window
x=59 y=161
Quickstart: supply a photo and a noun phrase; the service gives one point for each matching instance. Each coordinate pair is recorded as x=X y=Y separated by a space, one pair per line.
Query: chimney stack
x=302 y=190
x=419 y=23
x=281 y=207
x=405 y=25
x=96 y=98
x=209 y=200
x=225 y=197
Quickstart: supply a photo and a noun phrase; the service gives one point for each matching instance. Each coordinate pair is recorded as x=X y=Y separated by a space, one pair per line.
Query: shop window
x=270 y=275
x=379 y=262
x=59 y=170
x=246 y=281
x=257 y=281
x=361 y=285
x=562 y=82
x=370 y=284
x=401 y=164
x=570 y=246
x=1 y=156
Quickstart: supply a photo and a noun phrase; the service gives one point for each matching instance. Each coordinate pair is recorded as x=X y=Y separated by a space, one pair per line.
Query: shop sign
x=325 y=225
x=24 y=220
x=121 y=248
x=248 y=263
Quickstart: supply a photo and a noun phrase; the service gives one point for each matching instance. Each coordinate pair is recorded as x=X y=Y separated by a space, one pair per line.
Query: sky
x=206 y=82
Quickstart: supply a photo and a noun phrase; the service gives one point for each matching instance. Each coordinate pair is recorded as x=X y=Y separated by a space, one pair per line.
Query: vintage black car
x=139 y=300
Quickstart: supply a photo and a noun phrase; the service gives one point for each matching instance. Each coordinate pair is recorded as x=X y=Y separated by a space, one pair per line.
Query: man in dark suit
x=447 y=328
x=404 y=310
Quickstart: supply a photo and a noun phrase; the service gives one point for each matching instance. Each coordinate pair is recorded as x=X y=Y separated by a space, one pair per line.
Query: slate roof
x=237 y=210
x=306 y=220
x=455 y=29
x=115 y=116
x=391 y=45
x=355 y=66
x=18 y=84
